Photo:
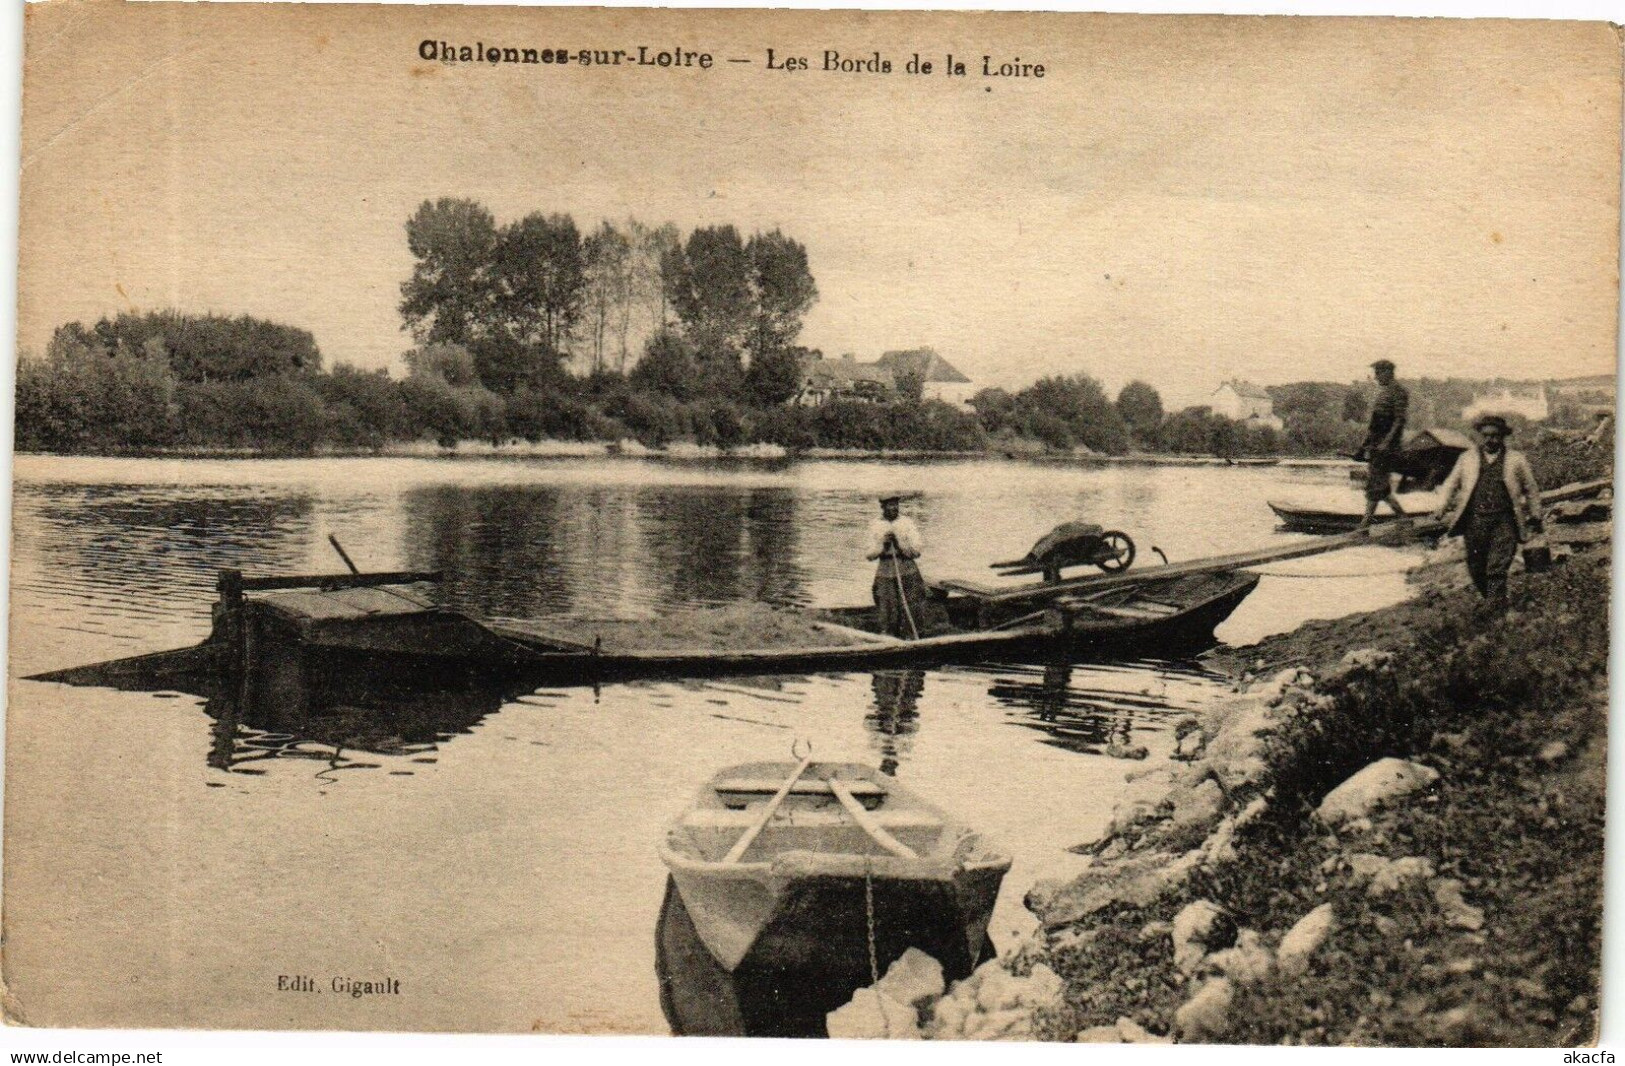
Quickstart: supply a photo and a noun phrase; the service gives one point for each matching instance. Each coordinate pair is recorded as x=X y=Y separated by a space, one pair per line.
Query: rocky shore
x=1391 y=834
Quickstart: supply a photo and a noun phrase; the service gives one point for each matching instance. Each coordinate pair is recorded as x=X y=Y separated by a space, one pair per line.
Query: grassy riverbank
x=1511 y=711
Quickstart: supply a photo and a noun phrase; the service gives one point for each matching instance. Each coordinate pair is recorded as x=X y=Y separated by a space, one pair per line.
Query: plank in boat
x=736 y=626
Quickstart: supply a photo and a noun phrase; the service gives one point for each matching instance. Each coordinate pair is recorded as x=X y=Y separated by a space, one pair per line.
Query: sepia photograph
x=874 y=525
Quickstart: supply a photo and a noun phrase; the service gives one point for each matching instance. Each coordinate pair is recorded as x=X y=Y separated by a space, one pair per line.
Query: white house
x=941 y=379
x=1242 y=401
x=1529 y=402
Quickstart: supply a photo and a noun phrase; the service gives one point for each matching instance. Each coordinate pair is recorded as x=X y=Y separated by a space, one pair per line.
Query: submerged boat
x=792 y=885
x=354 y=625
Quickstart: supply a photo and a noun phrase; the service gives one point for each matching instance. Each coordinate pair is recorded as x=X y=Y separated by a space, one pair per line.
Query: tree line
x=536 y=329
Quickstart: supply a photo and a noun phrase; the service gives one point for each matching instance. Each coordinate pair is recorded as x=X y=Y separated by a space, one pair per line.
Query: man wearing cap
x=1381 y=447
x=1492 y=500
x=900 y=594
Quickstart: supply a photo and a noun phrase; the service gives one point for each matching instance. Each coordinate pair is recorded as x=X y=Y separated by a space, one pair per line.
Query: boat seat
x=711 y=818
x=861 y=789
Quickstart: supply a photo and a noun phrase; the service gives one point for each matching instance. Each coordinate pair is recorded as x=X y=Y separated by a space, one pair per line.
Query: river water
x=166 y=864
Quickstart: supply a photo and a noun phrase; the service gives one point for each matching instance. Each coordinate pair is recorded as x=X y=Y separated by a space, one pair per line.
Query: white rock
x=1383 y=783
x=1099 y=1034
x=1200 y=807
x=1366 y=659
x=1304 y=939
x=1196 y=929
x=872 y=1016
x=1140 y=802
x=1396 y=873
x=914 y=978
x=1206 y=1015
x=1132 y=1032
x=1013 y=1024
x=1248 y=963
x=1456 y=911
x=999 y=990
x=1042 y=988
x=948 y=1019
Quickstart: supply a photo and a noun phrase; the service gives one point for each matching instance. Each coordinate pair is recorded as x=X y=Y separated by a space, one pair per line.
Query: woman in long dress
x=900 y=594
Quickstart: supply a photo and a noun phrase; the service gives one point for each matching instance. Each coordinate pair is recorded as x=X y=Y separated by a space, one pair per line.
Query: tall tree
x=541 y=281
x=654 y=249
x=784 y=289
x=449 y=296
x=712 y=294
x=607 y=263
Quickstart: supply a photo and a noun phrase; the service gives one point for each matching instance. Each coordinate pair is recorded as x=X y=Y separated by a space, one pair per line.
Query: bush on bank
x=1511 y=711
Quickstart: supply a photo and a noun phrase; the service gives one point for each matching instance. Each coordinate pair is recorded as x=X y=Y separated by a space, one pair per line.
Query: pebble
x=1456 y=911
x=1199 y=928
x=1206 y=1015
x=1304 y=939
x=1381 y=784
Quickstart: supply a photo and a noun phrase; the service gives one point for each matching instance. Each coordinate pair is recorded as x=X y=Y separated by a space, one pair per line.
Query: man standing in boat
x=900 y=593
x=1382 y=440
x=1492 y=500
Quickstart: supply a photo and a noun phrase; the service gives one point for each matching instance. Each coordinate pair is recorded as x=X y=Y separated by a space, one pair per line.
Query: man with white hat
x=900 y=594
x=1491 y=499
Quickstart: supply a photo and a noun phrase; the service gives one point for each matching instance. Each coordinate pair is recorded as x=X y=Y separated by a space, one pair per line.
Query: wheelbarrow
x=1073 y=544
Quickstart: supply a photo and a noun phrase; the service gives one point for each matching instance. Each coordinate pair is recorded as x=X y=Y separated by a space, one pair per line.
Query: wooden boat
x=780 y=874
x=355 y=625
x=1317 y=520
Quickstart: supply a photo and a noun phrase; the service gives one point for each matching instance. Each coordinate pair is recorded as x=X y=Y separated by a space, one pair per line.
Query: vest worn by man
x=1491 y=499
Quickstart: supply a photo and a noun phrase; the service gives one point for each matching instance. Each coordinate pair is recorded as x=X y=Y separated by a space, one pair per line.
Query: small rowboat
x=786 y=880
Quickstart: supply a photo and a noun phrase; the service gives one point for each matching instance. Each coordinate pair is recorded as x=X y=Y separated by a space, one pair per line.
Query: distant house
x=941 y=379
x=1530 y=402
x=1242 y=401
x=823 y=380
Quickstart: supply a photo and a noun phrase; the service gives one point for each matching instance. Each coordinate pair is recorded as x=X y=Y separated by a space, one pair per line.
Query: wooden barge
x=356 y=625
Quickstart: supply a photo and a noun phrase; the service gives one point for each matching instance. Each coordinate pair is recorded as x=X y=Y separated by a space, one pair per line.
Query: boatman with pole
x=900 y=594
x=1380 y=449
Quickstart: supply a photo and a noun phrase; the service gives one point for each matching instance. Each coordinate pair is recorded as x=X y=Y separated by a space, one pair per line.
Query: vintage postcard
x=963 y=526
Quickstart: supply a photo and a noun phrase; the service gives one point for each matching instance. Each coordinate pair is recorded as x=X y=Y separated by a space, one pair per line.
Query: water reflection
x=1092 y=709
x=133 y=543
x=285 y=709
x=499 y=547
x=711 y=546
x=895 y=716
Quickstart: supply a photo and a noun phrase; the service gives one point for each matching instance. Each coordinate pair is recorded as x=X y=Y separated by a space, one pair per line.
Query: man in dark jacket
x=1382 y=440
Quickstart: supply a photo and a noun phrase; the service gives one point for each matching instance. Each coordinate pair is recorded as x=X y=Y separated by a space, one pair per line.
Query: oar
x=876 y=831
x=766 y=816
x=334 y=540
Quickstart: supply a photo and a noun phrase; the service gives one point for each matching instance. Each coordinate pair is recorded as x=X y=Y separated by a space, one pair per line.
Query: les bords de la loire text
x=678 y=58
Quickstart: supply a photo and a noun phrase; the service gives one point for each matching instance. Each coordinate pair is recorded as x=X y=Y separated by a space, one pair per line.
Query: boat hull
x=811 y=952
x=1310 y=520
x=435 y=647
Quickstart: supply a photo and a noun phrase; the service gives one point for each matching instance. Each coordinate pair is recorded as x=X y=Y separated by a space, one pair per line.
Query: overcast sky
x=1178 y=199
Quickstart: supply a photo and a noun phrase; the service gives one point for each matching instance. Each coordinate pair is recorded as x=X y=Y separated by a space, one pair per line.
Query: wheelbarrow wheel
x=1118 y=551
